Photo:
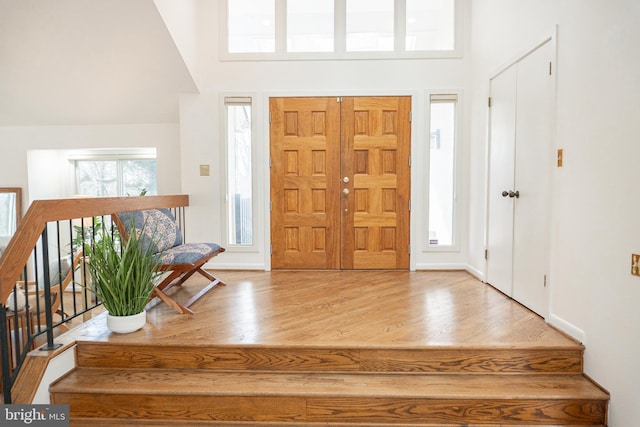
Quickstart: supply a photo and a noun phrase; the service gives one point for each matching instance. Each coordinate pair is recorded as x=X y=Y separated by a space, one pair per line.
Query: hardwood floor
x=355 y=308
x=334 y=348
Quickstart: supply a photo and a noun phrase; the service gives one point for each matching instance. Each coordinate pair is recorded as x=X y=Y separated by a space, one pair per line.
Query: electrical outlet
x=635 y=264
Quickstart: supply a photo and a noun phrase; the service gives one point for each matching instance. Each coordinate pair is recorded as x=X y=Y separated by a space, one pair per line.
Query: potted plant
x=122 y=275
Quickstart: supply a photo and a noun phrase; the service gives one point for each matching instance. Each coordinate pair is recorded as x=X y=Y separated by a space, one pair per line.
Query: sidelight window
x=442 y=170
x=239 y=175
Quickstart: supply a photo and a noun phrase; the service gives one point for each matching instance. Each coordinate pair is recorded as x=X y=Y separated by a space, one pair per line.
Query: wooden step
x=315 y=397
x=95 y=422
x=336 y=349
x=525 y=359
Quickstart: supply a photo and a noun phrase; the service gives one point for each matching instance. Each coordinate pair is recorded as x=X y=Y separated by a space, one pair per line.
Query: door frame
x=550 y=36
x=417 y=133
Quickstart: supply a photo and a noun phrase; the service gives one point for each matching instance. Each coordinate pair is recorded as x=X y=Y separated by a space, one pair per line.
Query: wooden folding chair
x=158 y=228
x=61 y=274
x=26 y=312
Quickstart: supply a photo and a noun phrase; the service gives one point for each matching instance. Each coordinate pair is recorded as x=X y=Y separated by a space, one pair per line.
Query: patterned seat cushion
x=155 y=227
x=158 y=228
x=188 y=253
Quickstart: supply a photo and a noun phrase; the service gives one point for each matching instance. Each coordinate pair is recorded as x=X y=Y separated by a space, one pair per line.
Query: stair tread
x=431 y=386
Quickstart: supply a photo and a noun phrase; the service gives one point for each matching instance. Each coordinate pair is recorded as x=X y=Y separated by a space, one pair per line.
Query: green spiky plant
x=122 y=274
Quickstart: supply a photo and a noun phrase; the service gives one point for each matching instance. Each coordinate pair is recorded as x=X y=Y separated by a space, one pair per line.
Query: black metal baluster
x=47 y=294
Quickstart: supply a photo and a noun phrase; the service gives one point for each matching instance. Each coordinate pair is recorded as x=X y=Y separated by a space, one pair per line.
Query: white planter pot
x=126 y=324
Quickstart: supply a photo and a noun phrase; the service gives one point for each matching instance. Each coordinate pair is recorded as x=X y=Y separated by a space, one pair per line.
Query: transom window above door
x=339 y=29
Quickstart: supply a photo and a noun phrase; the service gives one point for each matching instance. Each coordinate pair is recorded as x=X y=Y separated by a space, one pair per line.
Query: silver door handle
x=345 y=191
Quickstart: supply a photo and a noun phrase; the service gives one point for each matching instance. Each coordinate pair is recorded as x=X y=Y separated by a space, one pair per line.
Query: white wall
x=180 y=19
x=595 y=207
x=201 y=132
x=59 y=180
x=16 y=142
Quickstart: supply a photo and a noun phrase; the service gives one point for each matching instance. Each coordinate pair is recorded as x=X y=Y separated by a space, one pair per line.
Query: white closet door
x=501 y=178
x=520 y=162
x=533 y=159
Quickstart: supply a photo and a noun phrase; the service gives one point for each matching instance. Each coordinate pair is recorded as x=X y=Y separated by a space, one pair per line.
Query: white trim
x=441 y=266
x=400 y=25
x=235 y=266
x=280 y=34
x=550 y=35
x=475 y=272
x=339 y=27
x=567 y=328
x=124 y=153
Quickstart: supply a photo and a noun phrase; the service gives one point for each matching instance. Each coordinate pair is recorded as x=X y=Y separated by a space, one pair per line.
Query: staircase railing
x=45 y=259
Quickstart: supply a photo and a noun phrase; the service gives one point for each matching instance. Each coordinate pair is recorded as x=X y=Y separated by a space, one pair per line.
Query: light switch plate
x=204 y=170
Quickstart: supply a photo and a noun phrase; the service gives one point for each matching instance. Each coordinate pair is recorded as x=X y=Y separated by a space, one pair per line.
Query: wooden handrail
x=41 y=212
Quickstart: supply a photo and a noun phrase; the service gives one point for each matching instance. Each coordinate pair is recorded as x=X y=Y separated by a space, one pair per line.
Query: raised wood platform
x=335 y=349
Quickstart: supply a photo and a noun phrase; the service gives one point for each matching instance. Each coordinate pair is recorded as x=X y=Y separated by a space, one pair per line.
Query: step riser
x=295 y=409
x=333 y=360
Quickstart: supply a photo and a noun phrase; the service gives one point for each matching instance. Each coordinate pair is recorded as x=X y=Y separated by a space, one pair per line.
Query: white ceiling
x=79 y=62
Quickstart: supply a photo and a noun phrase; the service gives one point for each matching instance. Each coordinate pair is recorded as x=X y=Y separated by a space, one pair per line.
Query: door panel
x=501 y=178
x=375 y=213
x=305 y=174
x=340 y=182
x=534 y=158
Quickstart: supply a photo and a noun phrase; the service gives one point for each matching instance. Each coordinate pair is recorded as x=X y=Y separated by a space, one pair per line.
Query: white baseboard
x=441 y=266
x=235 y=266
x=567 y=328
x=475 y=272
x=452 y=266
x=419 y=267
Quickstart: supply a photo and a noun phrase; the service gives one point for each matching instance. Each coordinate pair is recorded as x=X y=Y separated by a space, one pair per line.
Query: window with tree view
x=116 y=177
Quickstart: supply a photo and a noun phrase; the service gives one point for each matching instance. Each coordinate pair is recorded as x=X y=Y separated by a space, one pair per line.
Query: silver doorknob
x=505 y=193
x=345 y=179
x=345 y=191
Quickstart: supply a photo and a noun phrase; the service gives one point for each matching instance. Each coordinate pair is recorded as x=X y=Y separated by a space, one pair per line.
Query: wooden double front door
x=340 y=182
